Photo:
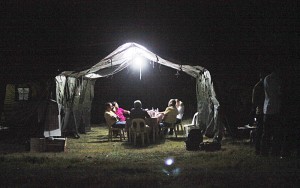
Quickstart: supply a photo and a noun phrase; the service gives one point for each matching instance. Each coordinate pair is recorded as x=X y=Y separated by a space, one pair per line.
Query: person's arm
x=114 y=116
x=130 y=114
x=165 y=113
x=126 y=112
x=109 y=116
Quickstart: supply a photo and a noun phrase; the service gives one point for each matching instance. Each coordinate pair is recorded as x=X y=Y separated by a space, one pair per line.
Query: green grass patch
x=92 y=161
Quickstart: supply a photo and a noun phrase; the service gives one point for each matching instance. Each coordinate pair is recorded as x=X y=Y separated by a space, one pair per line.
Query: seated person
x=120 y=111
x=169 y=116
x=111 y=118
x=137 y=111
x=180 y=108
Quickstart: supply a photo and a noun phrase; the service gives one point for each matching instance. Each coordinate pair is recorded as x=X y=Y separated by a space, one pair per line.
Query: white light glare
x=169 y=161
x=138 y=62
x=93 y=75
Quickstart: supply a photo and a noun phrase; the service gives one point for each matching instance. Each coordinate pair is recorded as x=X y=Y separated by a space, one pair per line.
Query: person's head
x=172 y=102
x=137 y=104
x=115 y=104
x=108 y=106
x=178 y=103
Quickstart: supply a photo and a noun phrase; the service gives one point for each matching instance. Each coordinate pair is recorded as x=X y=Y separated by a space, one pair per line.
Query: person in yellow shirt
x=169 y=114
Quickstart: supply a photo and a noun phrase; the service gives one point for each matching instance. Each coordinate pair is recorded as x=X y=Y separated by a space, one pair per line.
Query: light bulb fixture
x=177 y=74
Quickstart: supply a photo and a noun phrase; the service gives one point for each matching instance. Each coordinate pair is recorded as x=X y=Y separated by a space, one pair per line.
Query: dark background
x=234 y=40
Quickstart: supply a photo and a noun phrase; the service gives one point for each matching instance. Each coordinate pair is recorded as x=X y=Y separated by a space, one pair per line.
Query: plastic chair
x=193 y=125
x=179 y=126
x=139 y=128
x=118 y=129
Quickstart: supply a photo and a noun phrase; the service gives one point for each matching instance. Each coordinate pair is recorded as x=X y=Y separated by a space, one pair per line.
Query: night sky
x=232 y=39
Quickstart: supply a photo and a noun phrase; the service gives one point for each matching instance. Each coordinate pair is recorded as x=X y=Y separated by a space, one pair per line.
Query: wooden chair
x=118 y=129
x=139 y=128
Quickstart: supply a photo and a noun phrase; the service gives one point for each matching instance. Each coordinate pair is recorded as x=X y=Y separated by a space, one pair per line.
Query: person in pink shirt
x=120 y=111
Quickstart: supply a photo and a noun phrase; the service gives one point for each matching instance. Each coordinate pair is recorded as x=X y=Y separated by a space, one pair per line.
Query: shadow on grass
x=99 y=135
x=104 y=139
x=237 y=141
x=178 y=139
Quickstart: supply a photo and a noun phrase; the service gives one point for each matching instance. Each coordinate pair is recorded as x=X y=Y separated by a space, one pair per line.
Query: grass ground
x=92 y=161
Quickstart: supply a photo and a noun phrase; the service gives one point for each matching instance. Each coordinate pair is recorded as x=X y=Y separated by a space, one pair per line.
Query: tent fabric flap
x=74 y=97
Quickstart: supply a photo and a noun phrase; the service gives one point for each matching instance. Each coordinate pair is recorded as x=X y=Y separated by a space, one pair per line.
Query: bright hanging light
x=138 y=63
x=137 y=59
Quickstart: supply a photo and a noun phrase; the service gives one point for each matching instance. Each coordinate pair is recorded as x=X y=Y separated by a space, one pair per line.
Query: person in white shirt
x=258 y=98
x=272 y=129
x=180 y=108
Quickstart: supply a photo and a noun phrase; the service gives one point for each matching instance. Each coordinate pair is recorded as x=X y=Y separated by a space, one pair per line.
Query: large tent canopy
x=74 y=90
